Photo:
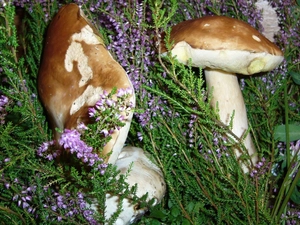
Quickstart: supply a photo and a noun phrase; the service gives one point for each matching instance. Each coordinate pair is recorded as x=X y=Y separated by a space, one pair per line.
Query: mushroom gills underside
x=232 y=61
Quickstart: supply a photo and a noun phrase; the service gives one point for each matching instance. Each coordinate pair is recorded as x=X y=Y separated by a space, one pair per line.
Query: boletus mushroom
x=75 y=69
x=224 y=46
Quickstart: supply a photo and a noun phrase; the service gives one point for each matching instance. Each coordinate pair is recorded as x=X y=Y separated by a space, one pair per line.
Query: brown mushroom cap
x=75 y=70
x=223 y=40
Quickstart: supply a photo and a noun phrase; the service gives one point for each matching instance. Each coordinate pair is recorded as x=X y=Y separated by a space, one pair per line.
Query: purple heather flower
x=295 y=146
x=15 y=197
x=3 y=104
x=24 y=199
x=92 y=112
x=82 y=205
x=104 y=132
x=100 y=104
x=121 y=92
x=110 y=102
x=3 y=100
x=69 y=214
x=30 y=210
x=253 y=173
x=44 y=148
x=260 y=169
x=70 y=139
x=82 y=127
x=132 y=45
x=6 y=160
x=49 y=157
x=68 y=205
x=140 y=136
x=19 y=103
x=25 y=205
x=80 y=195
x=7 y=185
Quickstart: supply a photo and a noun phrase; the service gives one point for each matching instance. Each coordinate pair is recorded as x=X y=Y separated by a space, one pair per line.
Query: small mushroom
x=75 y=69
x=146 y=175
x=225 y=46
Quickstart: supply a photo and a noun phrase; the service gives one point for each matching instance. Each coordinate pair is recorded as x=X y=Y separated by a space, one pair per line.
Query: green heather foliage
x=173 y=122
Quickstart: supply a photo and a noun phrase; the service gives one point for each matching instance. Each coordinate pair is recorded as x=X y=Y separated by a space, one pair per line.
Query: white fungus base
x=145 y=174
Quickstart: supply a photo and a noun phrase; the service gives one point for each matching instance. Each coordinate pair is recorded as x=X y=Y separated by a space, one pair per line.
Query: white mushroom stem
x=228 y=98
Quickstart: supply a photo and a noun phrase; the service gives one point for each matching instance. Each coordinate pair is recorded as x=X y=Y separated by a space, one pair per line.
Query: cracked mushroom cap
x=223 y=43
x=75 y=69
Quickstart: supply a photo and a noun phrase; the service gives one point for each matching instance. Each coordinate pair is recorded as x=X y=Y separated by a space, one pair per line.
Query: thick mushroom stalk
x=76 y=69
x=224 y=46
x=228 y=98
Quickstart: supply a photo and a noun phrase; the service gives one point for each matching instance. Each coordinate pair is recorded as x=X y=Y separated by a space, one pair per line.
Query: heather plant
x=35 y=187
x=173 y=122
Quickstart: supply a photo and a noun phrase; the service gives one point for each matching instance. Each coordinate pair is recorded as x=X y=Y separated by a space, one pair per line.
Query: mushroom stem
x=228 y=98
